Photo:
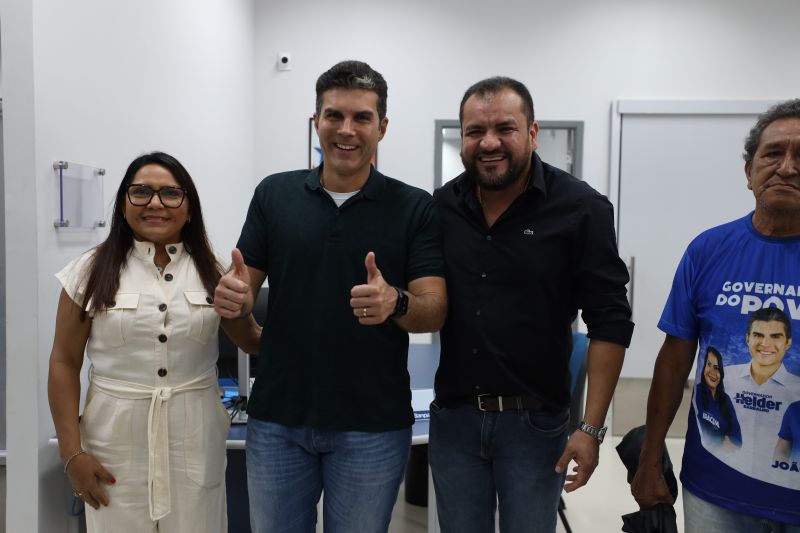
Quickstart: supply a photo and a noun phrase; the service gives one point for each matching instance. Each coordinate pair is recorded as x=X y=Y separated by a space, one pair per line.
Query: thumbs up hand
x=374 y=301
x=232 y=297
x=373 y=274
x=238 y=267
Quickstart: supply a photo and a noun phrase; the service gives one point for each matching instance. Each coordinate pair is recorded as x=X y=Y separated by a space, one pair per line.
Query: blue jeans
x=289 y=467
x=480 y=460
x=700 y=516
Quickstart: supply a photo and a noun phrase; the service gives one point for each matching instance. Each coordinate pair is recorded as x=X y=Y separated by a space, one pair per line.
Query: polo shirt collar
x=372 y=189
x=312 y=180
x=464 y=185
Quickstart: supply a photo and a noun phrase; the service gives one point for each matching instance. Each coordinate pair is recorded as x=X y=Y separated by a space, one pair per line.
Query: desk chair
x=577 y=373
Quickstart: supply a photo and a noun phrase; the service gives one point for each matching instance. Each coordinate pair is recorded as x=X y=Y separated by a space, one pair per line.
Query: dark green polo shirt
x=317 y=365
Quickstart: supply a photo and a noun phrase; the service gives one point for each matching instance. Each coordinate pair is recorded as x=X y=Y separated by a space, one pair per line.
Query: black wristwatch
x=597 y=433
x=401 y=307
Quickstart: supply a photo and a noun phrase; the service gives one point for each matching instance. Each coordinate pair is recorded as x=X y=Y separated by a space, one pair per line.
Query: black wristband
x=401 y=307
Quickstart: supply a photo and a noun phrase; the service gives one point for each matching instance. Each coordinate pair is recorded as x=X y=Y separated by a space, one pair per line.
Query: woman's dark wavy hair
x=111 y=255
x=705 y=395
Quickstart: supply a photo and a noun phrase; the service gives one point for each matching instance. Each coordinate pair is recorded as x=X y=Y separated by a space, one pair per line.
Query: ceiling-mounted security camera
x=284 y=61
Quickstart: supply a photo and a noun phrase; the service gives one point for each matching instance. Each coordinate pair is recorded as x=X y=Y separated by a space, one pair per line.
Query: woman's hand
x=86 y=476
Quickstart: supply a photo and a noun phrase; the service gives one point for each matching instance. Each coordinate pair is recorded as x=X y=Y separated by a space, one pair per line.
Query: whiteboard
x=680 y=171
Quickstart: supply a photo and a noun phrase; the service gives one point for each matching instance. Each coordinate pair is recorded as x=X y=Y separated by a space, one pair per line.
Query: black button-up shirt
x=515 y=288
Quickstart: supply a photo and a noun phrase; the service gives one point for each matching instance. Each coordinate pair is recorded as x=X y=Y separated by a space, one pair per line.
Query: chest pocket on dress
x=115 y=325
x=203 y=320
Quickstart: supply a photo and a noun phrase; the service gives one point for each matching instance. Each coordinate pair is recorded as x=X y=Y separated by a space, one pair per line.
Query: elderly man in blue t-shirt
x=718 y=293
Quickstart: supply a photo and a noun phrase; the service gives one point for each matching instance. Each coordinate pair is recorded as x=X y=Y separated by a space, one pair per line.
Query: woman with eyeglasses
x=148 y=453
x=715 y=412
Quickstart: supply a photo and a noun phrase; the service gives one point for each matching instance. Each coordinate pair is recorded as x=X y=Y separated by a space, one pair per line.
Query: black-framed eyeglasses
x=142 y=195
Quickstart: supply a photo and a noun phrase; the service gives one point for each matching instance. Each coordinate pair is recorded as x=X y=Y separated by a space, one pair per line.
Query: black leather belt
x=491 y=402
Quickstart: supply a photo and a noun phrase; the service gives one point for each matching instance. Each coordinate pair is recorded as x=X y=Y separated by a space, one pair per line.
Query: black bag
x=658 y=519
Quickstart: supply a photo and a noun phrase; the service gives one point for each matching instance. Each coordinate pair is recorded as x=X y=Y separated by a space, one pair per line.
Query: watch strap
x=592 y=431
x=401 y=307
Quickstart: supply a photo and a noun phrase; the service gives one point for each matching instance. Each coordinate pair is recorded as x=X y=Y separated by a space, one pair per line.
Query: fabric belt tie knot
x=164 y=393
x=158 y=487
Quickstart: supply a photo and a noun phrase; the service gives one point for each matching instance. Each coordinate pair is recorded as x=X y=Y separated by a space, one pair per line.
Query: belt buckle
x=499 y=402
x=480 y=402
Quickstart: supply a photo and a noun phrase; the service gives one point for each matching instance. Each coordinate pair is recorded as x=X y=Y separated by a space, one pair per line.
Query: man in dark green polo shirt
x=354 y=263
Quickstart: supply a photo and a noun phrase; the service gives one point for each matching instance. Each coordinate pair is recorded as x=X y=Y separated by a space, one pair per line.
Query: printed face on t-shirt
x=711 y=372
x=768 y=343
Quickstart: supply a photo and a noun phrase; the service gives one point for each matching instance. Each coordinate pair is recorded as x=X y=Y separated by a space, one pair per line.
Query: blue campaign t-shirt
x=726 y=274
x=790 y=430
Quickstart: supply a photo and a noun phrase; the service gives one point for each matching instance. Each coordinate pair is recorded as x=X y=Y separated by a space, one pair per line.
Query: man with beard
x=526 y=245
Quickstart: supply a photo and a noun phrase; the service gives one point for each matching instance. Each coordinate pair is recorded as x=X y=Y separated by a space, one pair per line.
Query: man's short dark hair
x=494 y=85
x=768 y=314
x=786 y=109
x=353 y=75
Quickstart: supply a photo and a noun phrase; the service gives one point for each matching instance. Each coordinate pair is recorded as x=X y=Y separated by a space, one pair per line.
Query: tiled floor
x=595 y=508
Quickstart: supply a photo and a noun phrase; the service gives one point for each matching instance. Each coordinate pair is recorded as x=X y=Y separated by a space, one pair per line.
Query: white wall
x=99 y=83
x=576 y=57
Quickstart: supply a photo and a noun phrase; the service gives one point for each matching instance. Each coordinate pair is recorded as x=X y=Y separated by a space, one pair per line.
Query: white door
x=680 y=172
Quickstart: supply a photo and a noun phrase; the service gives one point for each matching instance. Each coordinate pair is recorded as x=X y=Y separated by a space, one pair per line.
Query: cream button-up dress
x=153 y=416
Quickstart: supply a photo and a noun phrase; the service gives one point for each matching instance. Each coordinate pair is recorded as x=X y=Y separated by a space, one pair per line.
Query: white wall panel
x=99 y=83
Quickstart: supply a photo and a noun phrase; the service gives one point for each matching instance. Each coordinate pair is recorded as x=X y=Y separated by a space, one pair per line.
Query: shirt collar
x=372 y=189
x=147 y=250
x=464 y=184
x=739 y=371
x=781 y=376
